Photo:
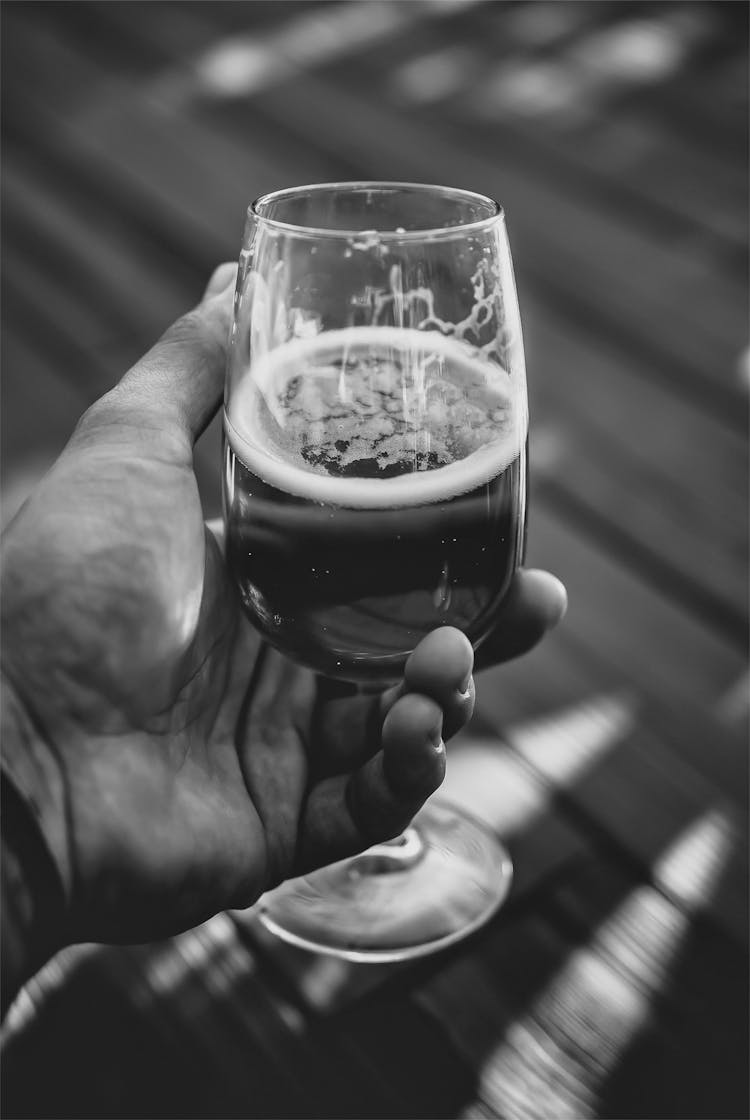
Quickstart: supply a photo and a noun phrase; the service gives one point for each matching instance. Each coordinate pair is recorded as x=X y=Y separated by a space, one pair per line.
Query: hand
x=176 y=764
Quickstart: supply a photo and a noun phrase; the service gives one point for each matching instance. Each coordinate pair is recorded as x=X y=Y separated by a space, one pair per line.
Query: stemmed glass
x=375 y=489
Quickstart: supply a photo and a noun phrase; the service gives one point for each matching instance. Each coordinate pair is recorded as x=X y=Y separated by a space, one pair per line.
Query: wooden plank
x=127 y=37
x=252 y=1020
x=564 y=692
x=411 y=1055
x=201 y=225
x=642 y=796
x=128 y=32
x=491 y=781
x=605 y=997
x=591 y=381
x=292 y=35
x=659 y=291
x=680 y=550
x=619 y=638
x=559 y=1010
x=40 y=406
x=654 y=166
x=135 y=1052
x=71 y=346
x=617 y=156
x=633 y=631
x=622 y=448
x=559 y=1006
x=711 y=400
x=709 y=102
x=650 y=285
x=127 y=132
x=621 y=732
x=38 y=413
x=698 y=981
x=202 y=1008
x=132 y=286
x=356 y=1064
x=632 y=789
x=601 y=145
x=73 y=335
x=39 y=409
x=640 y=545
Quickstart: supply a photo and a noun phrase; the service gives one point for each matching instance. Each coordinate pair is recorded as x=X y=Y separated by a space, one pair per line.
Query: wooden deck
x=614 y=758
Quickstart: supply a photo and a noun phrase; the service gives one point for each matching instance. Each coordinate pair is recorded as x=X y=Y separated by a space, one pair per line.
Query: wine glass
x=375 y=489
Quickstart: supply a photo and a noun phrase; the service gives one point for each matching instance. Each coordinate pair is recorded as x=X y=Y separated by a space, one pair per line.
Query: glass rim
x=432 y=233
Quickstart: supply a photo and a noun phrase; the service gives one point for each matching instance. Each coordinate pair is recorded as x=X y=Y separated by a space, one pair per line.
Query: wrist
x=33 y=901
x=36 y=869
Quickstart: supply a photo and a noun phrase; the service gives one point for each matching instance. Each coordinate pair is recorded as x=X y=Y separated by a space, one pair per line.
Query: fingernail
x=465 y=685
x=436 y=738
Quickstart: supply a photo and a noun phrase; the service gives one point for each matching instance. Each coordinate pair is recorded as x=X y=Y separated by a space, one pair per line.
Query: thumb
x=181 y=378
x=223 y=276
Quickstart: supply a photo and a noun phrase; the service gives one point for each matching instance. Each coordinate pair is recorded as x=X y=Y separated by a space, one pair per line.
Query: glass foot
x=438 y=883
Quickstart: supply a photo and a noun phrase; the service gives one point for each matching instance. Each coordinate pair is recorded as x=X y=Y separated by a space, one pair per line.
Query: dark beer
x=375 y=485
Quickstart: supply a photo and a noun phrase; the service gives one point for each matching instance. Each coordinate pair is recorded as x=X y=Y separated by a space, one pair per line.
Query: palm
x=156 y=691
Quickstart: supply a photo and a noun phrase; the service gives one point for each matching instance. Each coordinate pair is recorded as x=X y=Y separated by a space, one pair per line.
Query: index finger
x=349 y=727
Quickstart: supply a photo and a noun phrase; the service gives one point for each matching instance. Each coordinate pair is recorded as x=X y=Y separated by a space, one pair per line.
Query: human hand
x=176 y=764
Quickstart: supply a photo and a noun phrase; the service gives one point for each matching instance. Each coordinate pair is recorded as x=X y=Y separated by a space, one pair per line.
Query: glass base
x=441 y=881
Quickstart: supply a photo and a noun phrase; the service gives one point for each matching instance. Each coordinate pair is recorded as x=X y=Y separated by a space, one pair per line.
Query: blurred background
x=615 y=134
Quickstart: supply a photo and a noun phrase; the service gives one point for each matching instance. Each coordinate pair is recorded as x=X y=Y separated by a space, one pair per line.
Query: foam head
x=377 y=417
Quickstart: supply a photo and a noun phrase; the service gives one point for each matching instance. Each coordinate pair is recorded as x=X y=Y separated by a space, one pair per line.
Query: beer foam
x=407 y=400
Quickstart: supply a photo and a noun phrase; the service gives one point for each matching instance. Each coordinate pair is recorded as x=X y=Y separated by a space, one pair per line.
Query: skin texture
x=175 y=764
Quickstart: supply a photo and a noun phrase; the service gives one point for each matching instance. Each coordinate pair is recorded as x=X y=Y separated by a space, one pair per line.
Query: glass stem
x=398 y=854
